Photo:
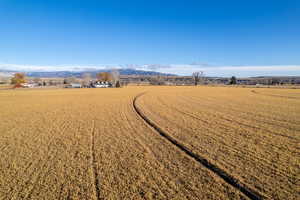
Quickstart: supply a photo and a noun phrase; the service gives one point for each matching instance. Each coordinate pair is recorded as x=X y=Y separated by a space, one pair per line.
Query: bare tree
x=37 y=81
x=4 y=80
x=198 y=77
x=157 y=80
x=154 y=80
x=86 y=79
x=160 y=80
x=71 y=79
x=51 y=82
x=115 y=76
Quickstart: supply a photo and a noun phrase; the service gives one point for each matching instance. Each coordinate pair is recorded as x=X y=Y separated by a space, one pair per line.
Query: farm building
x=104 y=84
x=75 y=85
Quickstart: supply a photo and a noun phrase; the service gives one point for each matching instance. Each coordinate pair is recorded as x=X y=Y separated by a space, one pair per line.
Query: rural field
x=150 y=142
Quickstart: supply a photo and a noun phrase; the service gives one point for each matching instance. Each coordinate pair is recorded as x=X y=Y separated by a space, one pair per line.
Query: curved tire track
x=250 y=193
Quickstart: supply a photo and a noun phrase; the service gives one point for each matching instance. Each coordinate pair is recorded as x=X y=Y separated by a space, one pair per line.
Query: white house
x=76 y=85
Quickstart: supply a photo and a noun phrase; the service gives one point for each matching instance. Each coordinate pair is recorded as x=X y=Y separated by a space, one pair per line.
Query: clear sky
x=167 y=32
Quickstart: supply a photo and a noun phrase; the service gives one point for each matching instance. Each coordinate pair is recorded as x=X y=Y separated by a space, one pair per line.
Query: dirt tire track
x=93 y=164
x=250 y=193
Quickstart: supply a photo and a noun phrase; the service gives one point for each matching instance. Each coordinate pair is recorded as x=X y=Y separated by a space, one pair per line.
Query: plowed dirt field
x=150 y=143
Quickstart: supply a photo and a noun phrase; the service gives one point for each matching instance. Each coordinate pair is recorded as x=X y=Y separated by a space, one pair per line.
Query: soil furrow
x=274 y=95
x=93 y=163
x=232 y=121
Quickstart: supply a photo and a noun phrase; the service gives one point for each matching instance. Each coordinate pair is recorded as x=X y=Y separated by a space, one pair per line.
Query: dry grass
x=251 y=133
x=91 y=144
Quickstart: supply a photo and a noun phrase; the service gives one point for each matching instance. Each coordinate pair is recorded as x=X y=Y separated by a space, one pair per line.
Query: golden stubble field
x=202 y=143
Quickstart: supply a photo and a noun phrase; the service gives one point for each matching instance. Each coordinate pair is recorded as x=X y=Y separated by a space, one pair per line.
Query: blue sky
x=219 y=37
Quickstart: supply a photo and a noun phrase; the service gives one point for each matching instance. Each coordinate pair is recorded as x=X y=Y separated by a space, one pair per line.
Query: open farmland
x=252 y=134
x=150 y=143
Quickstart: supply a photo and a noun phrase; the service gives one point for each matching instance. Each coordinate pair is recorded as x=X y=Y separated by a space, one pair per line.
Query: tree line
x=86 y=79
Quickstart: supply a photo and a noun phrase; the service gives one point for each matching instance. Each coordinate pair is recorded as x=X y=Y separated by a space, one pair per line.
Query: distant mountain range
x=124 y=71
x=63 y=74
